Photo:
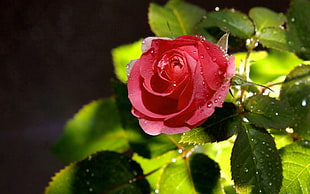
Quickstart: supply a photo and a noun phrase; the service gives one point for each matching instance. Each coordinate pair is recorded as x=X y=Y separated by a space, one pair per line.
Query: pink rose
x=176 y=84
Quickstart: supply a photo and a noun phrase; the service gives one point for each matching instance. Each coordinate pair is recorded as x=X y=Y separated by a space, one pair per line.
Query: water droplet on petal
x=209 y=104
x=201 y=56
x=214 y=59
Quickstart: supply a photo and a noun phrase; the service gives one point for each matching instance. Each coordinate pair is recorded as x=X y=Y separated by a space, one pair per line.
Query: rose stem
x=246 y=68
x=174 y=142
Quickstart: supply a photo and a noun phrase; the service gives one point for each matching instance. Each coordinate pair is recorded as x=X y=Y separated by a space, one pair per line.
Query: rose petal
x=217 y=99
x=200 y=115
x=129 y=66
x=209 y=69
x=147 y=42
x=231 y=67
x=157 y=127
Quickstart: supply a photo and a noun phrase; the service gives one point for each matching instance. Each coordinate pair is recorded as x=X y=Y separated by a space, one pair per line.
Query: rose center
x=177 y=66
x=171 y=68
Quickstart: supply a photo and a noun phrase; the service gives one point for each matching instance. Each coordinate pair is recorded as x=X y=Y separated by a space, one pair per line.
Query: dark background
x=54 y=58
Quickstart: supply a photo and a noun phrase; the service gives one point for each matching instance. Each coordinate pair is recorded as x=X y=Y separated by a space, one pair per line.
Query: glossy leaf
x=174 y=19
x=205 y=173
x=255 y=162
x=220 y=152
x=145 y=145
x=237 y=23
x=299 y=30
x=267 y=112
x=296 y=167
x=296 y=91
x=122 y=55
x=275 y=37
x=223 y=123
x=264 y=17
x=196 y=174
x=100 y=173
x=95 y=127
x=153 y=167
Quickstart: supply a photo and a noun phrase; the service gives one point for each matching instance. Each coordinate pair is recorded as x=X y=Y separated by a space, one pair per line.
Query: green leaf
x=205 y=173
x=122 y=55
x=264 y=17
x=153 y=166
x=296 y=167
x=176 y=18
x=255 y=162
x=223 y=123
x=276 y=64
x=145 y=145
x=237 y=23
x=177 y=172
x=298 y=28
x=274 y=37
x=296 y=92
x=196 y=174
x=95 y=127
x=268 y=112
x=100 y=173
x=220 y=152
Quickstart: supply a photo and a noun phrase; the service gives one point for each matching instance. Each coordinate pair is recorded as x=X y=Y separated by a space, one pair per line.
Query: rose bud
x=176 y=84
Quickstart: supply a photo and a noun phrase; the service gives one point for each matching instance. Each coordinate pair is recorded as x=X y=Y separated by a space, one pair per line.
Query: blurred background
x=54 y=58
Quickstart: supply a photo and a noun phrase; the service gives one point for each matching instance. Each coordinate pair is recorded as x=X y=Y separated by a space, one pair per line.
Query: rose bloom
x=176 y=84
